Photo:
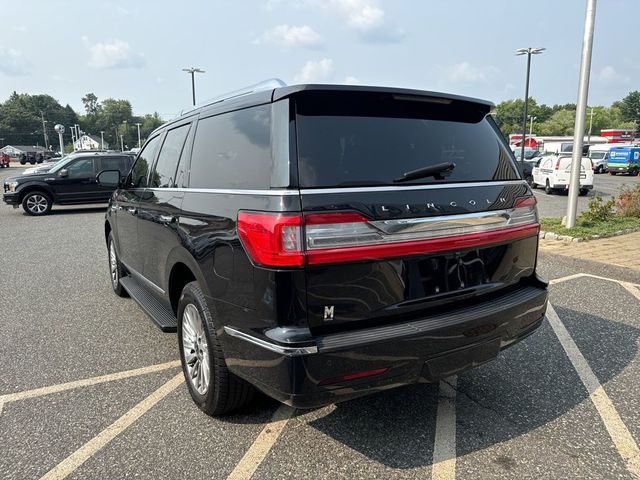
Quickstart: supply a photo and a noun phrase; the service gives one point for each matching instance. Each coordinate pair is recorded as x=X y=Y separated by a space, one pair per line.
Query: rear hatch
x=380 y=251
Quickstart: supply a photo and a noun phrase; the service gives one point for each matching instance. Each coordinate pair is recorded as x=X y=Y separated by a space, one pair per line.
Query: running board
x=161 y=315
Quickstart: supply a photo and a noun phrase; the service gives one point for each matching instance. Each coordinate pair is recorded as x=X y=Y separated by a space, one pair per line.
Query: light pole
x=581 y=110
x=193 y=71
x=138 y=125
x=528 y=52
x=124 y=122
x=60 y=129
x=121 y=143
x=590 y=125
x=44 y=130
x=102 y=139
x=531 y=119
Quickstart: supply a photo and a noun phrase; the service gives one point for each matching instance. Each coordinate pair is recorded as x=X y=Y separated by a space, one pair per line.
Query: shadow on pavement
x=526 y=387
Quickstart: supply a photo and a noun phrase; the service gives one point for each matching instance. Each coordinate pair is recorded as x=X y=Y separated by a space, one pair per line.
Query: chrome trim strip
x=138 y=276
x=288 y=351
x=395 y=188
x=230 y=191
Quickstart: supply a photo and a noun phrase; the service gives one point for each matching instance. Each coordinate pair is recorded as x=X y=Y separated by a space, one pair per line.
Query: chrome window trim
x=288 y=351
x=230 y=191
x=395 y=188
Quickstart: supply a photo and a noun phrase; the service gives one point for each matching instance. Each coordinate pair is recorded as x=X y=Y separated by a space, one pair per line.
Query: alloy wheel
x=195 y=349
x=37 y=204
x=113 y=265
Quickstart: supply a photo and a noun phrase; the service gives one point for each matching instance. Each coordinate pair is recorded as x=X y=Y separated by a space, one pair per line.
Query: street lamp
x=193 y=71
x=138 y=125
x=531 y=119
x=528 y=52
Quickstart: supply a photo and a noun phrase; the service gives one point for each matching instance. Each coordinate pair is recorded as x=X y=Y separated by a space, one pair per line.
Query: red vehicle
x=4 y=160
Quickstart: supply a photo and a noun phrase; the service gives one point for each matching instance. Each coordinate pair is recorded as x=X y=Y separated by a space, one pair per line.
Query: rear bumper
x=307 y=374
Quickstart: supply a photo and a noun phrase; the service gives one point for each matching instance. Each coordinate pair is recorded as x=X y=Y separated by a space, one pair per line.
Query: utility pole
x=121 y=143
x=193 y=71
x=528 y=52
x=138 y=125
x=44 y=130
x=590 y=125
x=60 y=129
x=102 y=139
x=531 y=118
x=581 y=108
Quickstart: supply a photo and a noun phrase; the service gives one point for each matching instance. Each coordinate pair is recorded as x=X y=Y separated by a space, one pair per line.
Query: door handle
x=167 y=218
x=132 y=210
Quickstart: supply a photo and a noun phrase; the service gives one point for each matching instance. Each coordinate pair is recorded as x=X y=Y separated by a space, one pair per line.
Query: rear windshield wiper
x=438 y=171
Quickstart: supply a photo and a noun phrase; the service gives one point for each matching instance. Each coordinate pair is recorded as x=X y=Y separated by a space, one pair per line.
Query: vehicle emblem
x=328 y=313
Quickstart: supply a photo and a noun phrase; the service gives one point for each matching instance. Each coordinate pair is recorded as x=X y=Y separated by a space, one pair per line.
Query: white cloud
x=364 y=17
x=13 y=64
x=315 y=71
x=291 y=36
x=116 y=54
x=610 y=76
x=349 y=80
x=464 y=72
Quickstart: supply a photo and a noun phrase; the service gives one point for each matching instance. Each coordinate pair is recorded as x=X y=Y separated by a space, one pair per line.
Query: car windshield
x=597 y=155
x=61 y=163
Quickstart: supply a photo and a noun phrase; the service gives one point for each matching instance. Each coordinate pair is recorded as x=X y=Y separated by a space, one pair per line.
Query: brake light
x=557 y=165
x=285 y=240
x=353 y=376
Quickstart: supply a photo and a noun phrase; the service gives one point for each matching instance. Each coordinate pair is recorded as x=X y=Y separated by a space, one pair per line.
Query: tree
x=90 y=102
x=630 y=107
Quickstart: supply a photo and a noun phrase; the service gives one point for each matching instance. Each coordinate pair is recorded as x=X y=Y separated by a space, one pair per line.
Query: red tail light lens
x=285 y=240
x=353 y=376
x=272 y=239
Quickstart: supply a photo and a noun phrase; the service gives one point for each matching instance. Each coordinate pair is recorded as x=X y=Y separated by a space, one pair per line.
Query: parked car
x=624 y=159
x=44 y=167
x=599 y=155
x=70 y=181
x=322 y=242
x=552 y=172
x=4 y=160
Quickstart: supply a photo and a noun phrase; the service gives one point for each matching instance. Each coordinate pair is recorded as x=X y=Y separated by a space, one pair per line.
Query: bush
x=628 y=202
x=599 y=211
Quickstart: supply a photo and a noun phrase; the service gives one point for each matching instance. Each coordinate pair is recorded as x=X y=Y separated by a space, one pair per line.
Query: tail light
x=294 y=240
x=557 y=165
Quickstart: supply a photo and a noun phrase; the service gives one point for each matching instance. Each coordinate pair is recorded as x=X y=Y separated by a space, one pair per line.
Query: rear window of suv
x=361 y=139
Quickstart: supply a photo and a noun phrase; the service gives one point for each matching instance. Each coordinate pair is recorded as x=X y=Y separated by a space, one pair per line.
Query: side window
x=114 y=163
x=81 y=168
x=164 y=173
x=140 y=171
x=233 y=150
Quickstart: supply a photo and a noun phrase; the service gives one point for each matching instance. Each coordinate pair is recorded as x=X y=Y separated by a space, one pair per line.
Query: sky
x=136 y=49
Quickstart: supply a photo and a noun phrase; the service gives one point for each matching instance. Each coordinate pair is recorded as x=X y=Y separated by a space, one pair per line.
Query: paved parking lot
x=606 y=186
x=89 y=388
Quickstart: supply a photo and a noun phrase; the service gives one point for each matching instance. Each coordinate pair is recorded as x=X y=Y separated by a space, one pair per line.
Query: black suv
x=322 y=242
x=71 y=180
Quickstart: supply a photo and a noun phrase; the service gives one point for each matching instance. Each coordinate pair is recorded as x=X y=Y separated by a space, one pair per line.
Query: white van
x=599 y=155
x=553 y=172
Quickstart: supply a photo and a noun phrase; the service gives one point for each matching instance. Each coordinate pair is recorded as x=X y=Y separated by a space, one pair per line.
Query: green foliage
x=628 y=202
x=630 y=107
x=584 y=229
x=598 y=211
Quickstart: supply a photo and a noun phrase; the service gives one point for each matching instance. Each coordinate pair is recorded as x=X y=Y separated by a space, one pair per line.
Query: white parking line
x=622 y=438
x=262 y=444
x=632 y=289
x=38 y=392
x=444 y=447
x=579 y=275
x=77 y=458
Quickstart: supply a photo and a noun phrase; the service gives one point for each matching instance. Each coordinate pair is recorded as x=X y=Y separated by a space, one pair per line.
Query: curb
x=569 y=239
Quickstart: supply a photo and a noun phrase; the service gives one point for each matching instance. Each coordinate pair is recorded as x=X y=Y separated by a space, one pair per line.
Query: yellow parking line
x=38 y=392
x=262 y=444
x=622 y=438
x=77 y=458
x=444 y=448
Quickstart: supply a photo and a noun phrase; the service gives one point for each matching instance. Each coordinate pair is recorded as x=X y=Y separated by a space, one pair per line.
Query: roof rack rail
x=269 y=84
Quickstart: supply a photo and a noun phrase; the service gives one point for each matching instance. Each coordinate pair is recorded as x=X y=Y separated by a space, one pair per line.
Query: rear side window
x=233 y=150
x=164 y=173
x=371 y=139
x=140 y=171
x=123 y=164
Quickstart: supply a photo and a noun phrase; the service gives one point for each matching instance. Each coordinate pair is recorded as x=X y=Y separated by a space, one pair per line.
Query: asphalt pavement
x=88 y=386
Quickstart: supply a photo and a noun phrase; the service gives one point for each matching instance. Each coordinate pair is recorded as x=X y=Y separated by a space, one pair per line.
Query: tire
x=529 y=179
x=32 y=161
x=547 y=188
x=583 y=192
x=611 y=173
x=23 y=162
x=212 y=386
x=36 y=203
x=116 y=269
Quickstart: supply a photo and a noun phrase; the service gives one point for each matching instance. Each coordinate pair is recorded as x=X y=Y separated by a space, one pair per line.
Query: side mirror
x=64 y=173
x=109 y=178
